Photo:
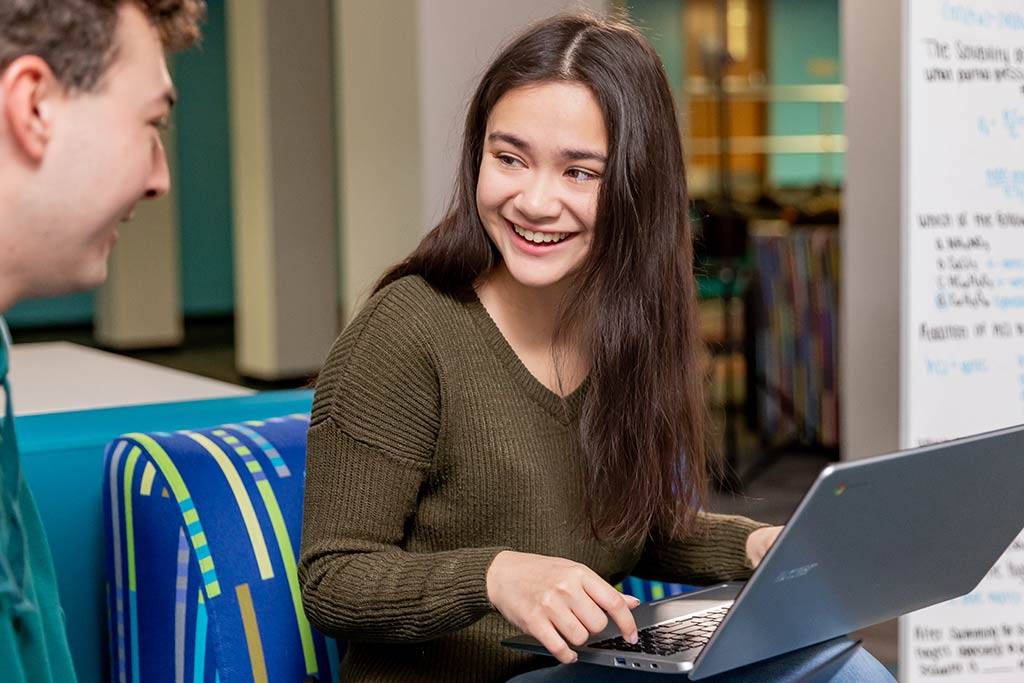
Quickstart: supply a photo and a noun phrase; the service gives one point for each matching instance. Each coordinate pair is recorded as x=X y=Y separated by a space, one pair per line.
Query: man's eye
x=161 y=124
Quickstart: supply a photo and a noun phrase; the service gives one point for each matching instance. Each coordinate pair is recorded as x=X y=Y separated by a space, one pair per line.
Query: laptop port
x=654 y=666
x=620 y=661
x=636 y=664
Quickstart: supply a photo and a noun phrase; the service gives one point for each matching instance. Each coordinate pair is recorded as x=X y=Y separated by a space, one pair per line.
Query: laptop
x=871 y=540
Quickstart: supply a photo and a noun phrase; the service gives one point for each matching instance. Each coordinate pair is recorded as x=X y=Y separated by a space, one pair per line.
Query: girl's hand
x=759 y=541
x=557 y=601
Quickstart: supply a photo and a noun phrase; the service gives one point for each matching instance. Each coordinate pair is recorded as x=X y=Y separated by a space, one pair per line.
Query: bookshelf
x=796 y=304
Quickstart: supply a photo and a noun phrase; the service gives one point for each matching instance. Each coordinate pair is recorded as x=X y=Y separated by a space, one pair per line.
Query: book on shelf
x=796 y=336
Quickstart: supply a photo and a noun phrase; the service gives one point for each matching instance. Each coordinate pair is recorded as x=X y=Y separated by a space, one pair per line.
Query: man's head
x=84 y=92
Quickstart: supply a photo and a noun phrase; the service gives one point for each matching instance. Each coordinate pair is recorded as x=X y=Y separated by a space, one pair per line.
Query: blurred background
x=315 y=142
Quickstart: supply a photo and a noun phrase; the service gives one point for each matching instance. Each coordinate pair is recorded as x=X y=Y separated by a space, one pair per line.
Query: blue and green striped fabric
x=202 y=534
x=652 y=590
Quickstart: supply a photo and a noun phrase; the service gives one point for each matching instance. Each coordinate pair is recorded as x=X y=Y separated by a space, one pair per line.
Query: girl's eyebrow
x=518 y=143
x=567 y=154
x=582 y=155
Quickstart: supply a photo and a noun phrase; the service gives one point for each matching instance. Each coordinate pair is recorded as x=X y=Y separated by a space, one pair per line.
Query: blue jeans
x=810 y=665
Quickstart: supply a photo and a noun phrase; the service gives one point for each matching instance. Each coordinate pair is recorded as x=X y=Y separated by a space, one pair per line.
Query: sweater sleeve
x=371 y=442
x=715 y=550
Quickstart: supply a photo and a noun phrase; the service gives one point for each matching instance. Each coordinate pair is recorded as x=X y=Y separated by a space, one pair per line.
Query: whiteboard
x=962 y=320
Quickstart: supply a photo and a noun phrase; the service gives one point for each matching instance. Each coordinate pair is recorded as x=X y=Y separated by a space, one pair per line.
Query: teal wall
x=203 y=186
x=62 y=310
x=802 y=34
x=204 y=172
x=661 y=22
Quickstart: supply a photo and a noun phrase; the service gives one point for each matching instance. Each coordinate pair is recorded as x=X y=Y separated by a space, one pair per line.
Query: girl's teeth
x=538 y=237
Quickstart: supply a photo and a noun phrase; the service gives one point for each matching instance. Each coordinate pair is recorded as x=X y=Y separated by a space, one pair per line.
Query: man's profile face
x=104 y=156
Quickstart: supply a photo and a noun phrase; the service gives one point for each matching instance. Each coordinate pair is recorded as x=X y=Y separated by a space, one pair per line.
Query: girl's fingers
x=610 y=600
x=554 y=643
x=593 y=618
x=569 y=626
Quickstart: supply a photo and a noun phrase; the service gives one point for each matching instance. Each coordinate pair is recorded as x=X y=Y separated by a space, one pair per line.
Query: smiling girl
x=515 y=420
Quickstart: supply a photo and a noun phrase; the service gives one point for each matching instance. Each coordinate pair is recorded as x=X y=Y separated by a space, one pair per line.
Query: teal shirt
x=33 y=643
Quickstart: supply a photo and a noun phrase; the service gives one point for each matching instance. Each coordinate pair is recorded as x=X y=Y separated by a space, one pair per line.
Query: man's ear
x=29 y=88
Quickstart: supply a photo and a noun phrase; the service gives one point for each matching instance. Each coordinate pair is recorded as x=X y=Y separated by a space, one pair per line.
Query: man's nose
x=160 y=179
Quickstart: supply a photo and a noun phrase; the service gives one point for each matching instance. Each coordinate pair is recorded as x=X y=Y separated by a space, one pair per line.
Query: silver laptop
x=871 y=540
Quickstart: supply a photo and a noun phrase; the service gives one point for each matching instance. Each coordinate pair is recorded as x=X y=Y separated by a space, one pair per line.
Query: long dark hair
x=633 y=304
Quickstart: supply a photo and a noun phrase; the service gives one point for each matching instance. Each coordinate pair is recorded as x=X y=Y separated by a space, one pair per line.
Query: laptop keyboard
x=688 y=633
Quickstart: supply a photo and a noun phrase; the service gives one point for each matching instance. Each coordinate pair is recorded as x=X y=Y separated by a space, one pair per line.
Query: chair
x=202 y=538
x=202 y=529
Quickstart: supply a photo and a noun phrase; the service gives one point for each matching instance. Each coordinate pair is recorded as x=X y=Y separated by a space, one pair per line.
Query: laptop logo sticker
x=797 y=573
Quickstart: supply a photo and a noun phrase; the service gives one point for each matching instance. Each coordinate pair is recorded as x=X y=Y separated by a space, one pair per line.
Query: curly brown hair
x=76 y=37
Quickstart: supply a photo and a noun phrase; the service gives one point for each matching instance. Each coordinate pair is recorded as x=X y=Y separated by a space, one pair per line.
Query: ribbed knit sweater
x=432 y=448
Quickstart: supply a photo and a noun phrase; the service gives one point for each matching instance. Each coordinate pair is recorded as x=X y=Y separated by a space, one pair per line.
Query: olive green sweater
x=431 y=449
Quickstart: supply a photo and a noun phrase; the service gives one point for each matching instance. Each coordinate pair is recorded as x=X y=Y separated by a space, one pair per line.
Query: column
x=283 y=184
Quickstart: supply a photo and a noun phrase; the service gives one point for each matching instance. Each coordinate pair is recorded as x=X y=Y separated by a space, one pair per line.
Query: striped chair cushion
x=203 y=530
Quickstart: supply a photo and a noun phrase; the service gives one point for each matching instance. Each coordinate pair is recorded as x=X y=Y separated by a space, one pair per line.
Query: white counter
x=54 y=377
